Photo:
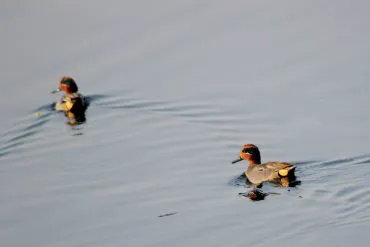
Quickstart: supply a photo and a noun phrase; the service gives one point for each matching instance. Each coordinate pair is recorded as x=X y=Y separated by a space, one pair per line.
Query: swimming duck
x=72 y=103
x=258 y=173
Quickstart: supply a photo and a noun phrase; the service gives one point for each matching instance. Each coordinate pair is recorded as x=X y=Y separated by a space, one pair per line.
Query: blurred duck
x=72 y=103
x=258 y=173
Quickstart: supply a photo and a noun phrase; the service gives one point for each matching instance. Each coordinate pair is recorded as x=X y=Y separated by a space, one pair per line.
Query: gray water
x=176 y=88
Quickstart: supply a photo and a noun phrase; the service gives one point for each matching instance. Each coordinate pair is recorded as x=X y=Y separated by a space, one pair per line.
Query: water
x=177 y=87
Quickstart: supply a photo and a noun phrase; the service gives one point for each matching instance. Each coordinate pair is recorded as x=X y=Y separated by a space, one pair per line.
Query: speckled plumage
x=259 y=173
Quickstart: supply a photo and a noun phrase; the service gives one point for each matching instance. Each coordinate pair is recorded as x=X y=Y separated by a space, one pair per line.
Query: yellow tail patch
x=283 y=172
x=69 y=105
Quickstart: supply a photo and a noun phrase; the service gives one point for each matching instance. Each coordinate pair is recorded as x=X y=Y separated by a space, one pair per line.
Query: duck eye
x=247 y=150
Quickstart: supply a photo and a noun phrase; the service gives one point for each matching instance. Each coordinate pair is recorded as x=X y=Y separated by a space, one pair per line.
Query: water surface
x=176 y=88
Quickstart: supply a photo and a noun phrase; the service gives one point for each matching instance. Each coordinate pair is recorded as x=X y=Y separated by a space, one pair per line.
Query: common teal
x=258 y=173
x=72 y=103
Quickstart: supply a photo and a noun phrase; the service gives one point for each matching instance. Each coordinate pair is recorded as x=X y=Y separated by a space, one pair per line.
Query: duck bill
x=237 y=160
x=55 y=91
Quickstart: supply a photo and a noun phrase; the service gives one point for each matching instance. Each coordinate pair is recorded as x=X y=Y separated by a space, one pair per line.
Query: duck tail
x=287 y=172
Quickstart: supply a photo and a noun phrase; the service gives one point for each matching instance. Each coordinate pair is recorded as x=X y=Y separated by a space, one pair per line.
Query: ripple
x=166 y=146
x=30 y=126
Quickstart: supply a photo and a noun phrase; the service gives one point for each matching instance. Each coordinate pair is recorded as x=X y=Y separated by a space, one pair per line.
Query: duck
x=72 y=103
x=273 y=171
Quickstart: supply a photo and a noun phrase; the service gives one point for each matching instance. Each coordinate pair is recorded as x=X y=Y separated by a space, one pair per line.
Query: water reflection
x=256 y=193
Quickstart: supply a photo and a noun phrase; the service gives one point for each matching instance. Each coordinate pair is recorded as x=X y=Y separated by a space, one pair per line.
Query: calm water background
x=176 y=88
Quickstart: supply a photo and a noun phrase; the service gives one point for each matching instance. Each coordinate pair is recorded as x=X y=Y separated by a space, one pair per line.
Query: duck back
x=269 y=171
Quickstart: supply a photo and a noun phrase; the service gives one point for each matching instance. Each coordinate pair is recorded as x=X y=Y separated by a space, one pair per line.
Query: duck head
x=67 y=85
x=250 y=153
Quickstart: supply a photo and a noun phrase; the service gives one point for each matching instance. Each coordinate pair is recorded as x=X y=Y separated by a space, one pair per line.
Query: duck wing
x=278 y=165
